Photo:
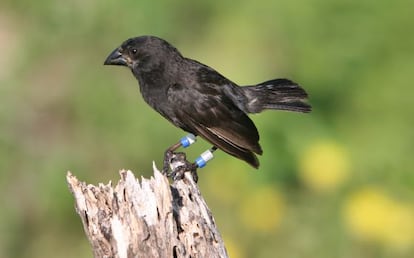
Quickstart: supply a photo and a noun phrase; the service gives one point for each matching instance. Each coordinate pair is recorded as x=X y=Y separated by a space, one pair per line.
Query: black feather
x=279 y=94
x=200 y=100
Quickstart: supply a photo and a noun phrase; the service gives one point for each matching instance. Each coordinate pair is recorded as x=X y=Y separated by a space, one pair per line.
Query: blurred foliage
x=338 y=182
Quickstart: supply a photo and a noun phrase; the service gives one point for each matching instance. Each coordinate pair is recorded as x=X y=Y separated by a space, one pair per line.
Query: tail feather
x=279 y=94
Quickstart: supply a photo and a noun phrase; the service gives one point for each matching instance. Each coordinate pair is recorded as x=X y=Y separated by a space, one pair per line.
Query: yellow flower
x=324 y=166
x=262 y=210
x=372 y=215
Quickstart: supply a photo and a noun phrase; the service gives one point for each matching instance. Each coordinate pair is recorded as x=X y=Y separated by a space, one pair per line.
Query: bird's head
x=142 y=53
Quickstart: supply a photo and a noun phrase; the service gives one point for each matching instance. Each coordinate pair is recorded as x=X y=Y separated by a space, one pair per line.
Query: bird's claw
x=179 y=164
x=168 y=156
x=178 y=172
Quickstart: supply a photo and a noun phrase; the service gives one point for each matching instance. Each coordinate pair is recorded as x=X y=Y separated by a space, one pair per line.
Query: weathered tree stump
x=150 y=218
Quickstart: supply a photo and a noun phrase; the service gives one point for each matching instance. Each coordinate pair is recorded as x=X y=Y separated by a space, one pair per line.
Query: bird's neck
x=153 y=86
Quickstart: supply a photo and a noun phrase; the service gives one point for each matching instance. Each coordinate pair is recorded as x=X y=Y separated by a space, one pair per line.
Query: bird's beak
x=116 y=58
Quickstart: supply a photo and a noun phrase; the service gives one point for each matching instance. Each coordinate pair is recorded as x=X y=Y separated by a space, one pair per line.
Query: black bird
x=201 y=101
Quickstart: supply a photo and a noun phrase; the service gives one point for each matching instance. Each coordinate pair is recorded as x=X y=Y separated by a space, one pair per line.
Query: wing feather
x=217 y=119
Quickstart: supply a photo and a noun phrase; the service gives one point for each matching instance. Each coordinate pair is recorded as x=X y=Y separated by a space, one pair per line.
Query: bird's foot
x=178 y=172
x=168 y=156
x=178 y=163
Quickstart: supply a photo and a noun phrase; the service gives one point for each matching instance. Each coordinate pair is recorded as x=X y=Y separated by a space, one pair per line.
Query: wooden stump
x=150 y=218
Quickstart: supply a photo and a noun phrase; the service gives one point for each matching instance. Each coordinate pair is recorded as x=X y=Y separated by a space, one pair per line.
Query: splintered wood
x=150 y=218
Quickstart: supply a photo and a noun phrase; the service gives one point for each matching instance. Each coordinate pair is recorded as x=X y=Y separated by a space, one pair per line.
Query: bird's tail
x=280 y=94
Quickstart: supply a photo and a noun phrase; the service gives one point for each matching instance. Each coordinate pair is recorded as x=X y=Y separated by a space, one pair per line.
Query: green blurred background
x=334 y=183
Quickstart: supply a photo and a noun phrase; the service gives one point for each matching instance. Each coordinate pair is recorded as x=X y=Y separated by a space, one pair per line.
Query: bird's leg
x=170 y=156
x=201 y=161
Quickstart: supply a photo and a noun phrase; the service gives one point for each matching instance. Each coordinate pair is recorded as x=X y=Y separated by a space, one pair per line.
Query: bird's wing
x=206 y=111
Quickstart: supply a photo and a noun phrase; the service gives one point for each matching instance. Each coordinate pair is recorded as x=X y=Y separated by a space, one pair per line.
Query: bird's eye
x=134 y=51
